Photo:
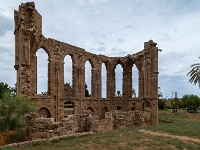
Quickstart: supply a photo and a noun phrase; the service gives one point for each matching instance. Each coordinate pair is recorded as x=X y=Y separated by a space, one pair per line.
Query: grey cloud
x=7 y=55
x=120 y=41
x=92 y=49
x=101 y=43
x=166 y=38
x=178 y=84
x=6 y=24
x=102 y=48
x=118 y=52
x=113 y=49
x=122 y=53
x=103 y=35
x=129 y=27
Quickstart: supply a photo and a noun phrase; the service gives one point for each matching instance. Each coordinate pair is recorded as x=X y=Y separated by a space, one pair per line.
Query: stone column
x=94 y=83
x=98 y=89
x=141 y=84
x=154 y=83
x=127 y=82
x=81 y=85
x=75 y=77
x=51 y=77
x=111 y=85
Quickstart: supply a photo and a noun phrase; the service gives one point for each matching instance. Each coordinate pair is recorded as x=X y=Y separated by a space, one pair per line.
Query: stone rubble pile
x=117 y=119
x=47 y=128
x=79 y=123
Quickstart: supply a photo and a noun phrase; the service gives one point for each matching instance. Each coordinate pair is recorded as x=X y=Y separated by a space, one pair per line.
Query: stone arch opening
x=88 y=79
x=42 y=72
x=44 y=112
x=133 y=108
x=68 y=108
x=27 y=43
x=103 y=81
x=104 y=110
x=118 y=80
x=69 y=104
x=90 y=110
x=119 y=107
x=135 y=81
x=68 y=70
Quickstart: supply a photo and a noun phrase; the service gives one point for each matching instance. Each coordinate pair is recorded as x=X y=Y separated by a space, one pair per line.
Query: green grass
x=124 y=139
x=183 y=124
x=165 y=110
x=128 y=139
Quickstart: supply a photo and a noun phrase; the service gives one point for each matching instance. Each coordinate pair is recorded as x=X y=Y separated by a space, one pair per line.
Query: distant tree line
x=188 y=102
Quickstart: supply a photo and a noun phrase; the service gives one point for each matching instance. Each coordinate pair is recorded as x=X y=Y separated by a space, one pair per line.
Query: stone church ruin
x=29 y=39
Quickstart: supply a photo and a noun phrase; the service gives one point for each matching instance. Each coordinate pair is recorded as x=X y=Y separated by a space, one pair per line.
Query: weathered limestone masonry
x=47 y=128
x=29 y=38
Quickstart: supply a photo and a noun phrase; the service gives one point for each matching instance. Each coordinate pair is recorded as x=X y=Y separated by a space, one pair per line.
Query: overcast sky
x=116 y=28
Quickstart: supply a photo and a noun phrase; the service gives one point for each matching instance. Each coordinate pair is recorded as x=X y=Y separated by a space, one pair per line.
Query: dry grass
x=5 y=137
x=129 y=139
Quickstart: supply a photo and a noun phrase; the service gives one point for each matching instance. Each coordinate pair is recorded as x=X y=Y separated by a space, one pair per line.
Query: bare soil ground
x=162 y=134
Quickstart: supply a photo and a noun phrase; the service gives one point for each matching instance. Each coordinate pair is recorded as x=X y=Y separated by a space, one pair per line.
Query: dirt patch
x=165 y=120
x=185 y=138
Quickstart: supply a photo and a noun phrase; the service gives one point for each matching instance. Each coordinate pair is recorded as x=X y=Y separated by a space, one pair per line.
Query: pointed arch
x=103 y=81
x=90 y=110
x=88 y=78
x=104 y=110
x=42 y=71
x=118 y=80
x=68 y=69
x=135 y=81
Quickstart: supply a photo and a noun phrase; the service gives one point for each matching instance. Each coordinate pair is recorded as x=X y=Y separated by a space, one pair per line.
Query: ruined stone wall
x=47 y=128
x=29 y=38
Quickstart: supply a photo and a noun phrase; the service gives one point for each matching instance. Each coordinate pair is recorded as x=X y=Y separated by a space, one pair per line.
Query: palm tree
x=194 y=74
x=133 y=92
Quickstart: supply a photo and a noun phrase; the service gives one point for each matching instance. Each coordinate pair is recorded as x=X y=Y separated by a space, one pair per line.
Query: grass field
x=182 y=124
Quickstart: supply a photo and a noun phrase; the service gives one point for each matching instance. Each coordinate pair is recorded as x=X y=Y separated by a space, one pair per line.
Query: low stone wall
x=39 y=141
x=47 y=128
x=117 y=119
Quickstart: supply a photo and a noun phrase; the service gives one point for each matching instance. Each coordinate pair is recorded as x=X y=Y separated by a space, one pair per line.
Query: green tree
x=118 y=93
x=191 y=102
x=184 y=101
x=13 y=110
x=68 y=85
x=161 y=104
x=133 y=92
x=194 y=74
x=87 y=94
x=159 y=93
x=175 y=103
x=4 y=88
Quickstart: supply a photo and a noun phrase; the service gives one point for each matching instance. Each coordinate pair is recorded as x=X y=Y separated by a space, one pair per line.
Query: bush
x=13 y=110
x=161 y=104
x=167 y=107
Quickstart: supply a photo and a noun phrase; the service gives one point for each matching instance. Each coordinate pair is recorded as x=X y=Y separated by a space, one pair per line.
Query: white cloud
x=101 y=26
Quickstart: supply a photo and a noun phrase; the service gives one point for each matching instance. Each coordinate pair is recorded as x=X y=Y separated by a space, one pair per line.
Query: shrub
x=13 y=110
